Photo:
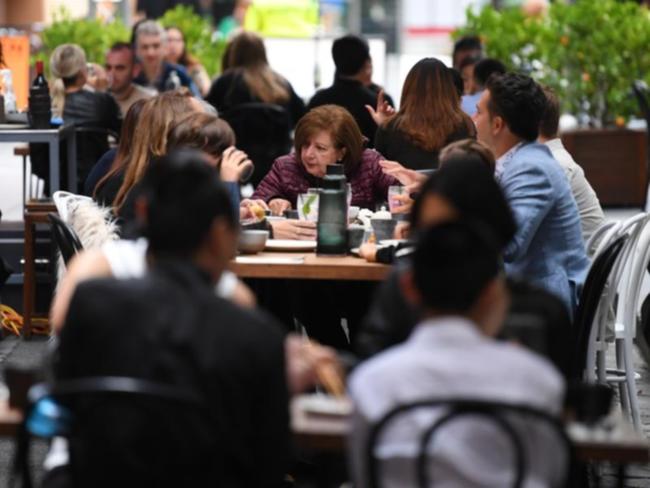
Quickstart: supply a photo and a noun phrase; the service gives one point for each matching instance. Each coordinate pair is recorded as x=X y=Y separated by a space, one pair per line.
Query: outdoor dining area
x=222 y=281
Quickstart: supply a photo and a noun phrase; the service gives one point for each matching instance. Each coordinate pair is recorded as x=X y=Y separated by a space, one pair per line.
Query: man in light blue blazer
x=547 y=249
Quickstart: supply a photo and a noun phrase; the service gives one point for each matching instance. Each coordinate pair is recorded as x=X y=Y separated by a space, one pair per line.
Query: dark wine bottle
x=40 y=81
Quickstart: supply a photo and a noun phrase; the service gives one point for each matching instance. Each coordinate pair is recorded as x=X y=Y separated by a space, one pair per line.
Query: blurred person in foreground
x=463 y=189
x=456 y=284
x=469 y=197
x=547 y=249
x=181 y=334
x=591 y=213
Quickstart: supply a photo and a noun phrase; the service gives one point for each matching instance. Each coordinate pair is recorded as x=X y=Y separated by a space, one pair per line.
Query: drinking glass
x=308 y=206
x=394 y=203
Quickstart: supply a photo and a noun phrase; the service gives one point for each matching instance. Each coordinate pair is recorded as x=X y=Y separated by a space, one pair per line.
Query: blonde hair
x=150 y=136
x=246 y=53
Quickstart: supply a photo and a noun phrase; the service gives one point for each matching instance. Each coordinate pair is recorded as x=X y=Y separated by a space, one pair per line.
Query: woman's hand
x=97 y=77
x=294 y=229
x=249 y=209
x=234 y=164
x=368 y=251
x=383 y=113
x=410 y=178
x=279 y=205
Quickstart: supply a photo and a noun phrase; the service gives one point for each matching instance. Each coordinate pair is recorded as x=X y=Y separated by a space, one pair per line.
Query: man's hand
x=294 y=229
x=303 y=358
x=383 y=112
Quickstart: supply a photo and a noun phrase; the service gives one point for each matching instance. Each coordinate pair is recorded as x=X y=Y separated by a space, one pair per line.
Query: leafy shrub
x=590 y=52
x=96 y=37
x=92 y=35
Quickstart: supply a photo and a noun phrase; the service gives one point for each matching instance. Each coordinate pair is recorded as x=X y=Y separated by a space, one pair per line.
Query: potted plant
x=590 y=52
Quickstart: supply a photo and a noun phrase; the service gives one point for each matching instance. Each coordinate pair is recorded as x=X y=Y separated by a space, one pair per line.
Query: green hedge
x=96 y=37
x=590 y=52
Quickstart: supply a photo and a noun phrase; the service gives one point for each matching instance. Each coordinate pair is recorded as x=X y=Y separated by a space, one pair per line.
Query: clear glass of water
x=308 y=206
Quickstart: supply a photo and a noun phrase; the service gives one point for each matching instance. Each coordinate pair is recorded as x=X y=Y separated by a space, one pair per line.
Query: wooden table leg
x=29 y=276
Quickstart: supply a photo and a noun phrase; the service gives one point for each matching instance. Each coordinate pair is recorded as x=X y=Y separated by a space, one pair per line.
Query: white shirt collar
x=452 y=327
x=504 y=159
x=554 y=143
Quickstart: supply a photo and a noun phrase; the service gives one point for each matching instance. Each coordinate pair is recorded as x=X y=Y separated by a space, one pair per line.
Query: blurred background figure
x=177 y=54
x=283 y=18
x=464 y=47
x=475 y=74
x=150 y=47
x=121 y=68
x=230 y=23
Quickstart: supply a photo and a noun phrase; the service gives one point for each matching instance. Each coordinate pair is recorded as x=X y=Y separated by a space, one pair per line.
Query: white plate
x=289 y=245
x=269 y=260
x=391 y=242
x=325 y=405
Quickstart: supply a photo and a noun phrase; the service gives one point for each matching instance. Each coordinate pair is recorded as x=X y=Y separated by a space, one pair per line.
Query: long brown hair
x=246 y=54
x=186 y=59
x=430 y=107
x=126 y=141
x=150 y=136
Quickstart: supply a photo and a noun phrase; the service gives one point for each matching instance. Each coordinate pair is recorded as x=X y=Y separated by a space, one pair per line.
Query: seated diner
x=326 y=135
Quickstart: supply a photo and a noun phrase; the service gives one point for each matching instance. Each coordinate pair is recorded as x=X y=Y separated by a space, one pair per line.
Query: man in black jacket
x=170 y=327
x=352 y=88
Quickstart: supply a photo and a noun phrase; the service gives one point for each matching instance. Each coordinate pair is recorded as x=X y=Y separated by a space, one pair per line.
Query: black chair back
x=499 y=414
x=91 y=143
x=65 y=237
x=588 y=305
x=640 y=89
x=125 y=431
x=263 y=131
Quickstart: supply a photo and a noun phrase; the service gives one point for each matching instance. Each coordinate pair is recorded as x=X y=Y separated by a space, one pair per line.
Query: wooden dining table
x=307 y=265
x=619 y=444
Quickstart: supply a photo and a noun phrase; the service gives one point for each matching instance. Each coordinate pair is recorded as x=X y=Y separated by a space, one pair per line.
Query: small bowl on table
x=252 y=241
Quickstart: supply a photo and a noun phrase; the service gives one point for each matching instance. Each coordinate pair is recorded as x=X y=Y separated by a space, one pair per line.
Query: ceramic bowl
x=252 y=241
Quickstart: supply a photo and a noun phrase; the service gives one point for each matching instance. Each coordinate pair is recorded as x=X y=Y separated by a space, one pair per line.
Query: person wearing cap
x=351 y=56
x=81 y=107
